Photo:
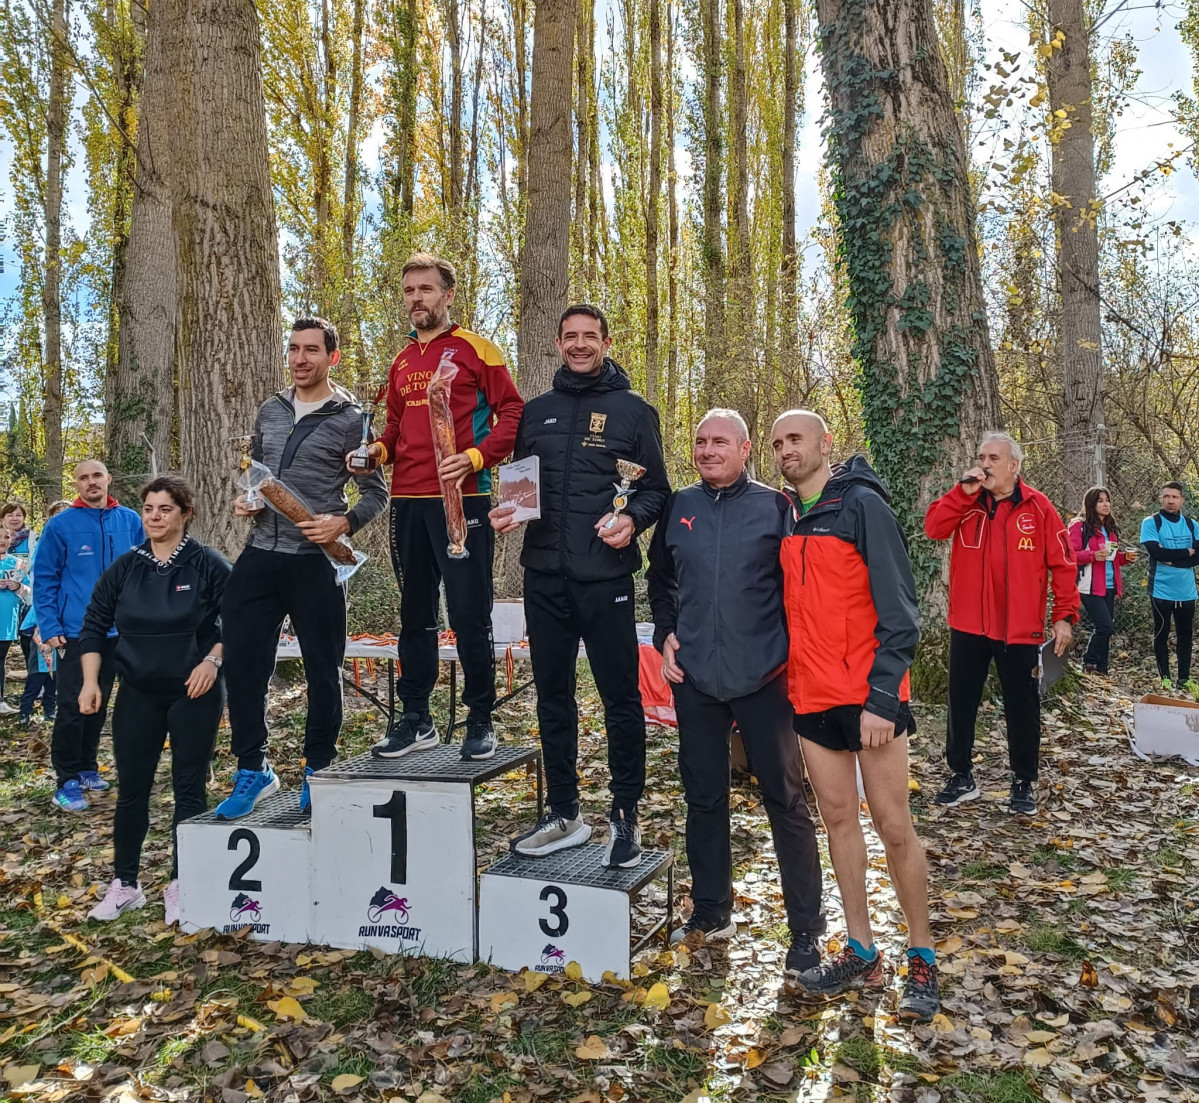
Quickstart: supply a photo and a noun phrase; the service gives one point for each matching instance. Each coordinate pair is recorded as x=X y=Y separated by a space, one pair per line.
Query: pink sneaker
x=170 y=901
x=117 y=900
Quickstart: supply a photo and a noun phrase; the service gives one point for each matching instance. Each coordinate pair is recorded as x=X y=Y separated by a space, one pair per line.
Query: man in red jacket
x=485 y=406
x=1010 y=548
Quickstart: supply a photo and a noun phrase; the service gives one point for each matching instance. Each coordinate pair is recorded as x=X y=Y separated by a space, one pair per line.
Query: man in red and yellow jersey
x=485 y=406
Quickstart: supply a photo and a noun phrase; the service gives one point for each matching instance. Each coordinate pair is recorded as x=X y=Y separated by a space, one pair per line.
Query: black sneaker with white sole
x=1023 y=803
x=412 y=732
x=700 y=929
x=480 y=740
x=624 y=840
x=958 y=789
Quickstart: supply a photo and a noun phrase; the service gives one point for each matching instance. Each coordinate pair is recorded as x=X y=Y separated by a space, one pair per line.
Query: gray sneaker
x=553 y=832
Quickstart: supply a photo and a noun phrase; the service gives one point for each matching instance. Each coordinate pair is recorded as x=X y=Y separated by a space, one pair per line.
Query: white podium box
x=542 y=913
x=255 y=871
x=394 y=862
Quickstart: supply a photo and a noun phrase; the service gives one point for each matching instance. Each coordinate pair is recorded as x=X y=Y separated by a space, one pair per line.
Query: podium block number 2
x=237 y=881
x=396 y=810
x=559 y=923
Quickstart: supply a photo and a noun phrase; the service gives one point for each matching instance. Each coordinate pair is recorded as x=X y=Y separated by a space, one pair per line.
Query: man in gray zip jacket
x=302 y=434
x=716 y=590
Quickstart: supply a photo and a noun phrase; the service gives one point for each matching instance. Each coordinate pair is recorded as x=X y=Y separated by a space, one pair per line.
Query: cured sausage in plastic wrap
x=287 y=504
x=443 y=447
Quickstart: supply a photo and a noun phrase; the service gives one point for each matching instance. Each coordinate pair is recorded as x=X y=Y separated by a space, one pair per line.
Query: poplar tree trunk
x=741 y=375
x=713 y=250
x=520 y=16
x=56 y=141
x=349 y=324
x=790 y=259
x=652 y=201
x=141 y=403
x=405 y=47
x=595 y=196
x=230 y=339
x=1076 y=217
x=908 y=244
x=453 y=34
x=583 y=23
x=672 y=264
x=545 y=249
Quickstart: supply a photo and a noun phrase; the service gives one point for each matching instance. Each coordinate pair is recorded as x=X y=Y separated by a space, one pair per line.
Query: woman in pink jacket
x=1095 y=536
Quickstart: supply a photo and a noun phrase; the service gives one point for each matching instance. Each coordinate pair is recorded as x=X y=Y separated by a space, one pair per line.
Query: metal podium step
x=441 y=763
x=583 y=865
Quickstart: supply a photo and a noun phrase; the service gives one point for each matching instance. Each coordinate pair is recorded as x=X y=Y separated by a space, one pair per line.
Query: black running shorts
x=840 y=728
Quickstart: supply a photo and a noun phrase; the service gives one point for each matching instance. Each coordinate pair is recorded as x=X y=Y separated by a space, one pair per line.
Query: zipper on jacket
x=716 y=592
x=570 y=451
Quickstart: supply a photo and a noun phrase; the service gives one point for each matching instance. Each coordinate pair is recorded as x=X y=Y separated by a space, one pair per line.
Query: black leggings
x=1183 y=614
x=4 y=646
x=141 y=722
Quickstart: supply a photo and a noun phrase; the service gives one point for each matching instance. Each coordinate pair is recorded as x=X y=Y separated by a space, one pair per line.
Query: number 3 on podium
x=396 y=810
x=557 y=910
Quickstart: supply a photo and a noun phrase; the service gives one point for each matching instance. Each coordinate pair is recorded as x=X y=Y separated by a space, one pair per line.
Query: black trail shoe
x=412 y=732
x=958 y=789
x=480 y=742
x=1023 y=802
x=698 y=930
x=804 y=953
x=921 y=998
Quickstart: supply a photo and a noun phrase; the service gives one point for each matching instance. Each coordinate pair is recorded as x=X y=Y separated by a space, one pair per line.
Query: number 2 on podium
x=396 y=810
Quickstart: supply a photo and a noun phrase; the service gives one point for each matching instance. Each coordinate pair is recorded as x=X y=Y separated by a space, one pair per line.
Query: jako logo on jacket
x=76 y=547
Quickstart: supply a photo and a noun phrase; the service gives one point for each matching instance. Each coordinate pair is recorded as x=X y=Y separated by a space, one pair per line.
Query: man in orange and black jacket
x=485 y=406
x=1009 y=549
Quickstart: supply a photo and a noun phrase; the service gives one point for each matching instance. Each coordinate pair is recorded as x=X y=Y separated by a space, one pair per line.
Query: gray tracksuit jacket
x=308 y=457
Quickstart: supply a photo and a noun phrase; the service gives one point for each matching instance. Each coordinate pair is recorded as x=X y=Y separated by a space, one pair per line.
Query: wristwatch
x=217 y=662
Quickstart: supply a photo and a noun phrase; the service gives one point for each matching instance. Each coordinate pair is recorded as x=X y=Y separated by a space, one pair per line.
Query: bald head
x=92 y=480
x=802 y=445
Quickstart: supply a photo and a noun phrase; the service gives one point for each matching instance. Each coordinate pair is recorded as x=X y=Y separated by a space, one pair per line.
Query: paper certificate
x=520 y=486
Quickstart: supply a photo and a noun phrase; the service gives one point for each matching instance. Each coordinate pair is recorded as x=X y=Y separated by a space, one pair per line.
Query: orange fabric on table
x=657 y=702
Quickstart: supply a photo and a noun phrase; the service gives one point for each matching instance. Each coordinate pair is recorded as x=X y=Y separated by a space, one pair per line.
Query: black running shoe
x=412 y=732
x=921 y=998
x=480 y=740
x=958 y=789
x=1023 y=802
x=804 y=953
x=624 y=840
x=836 y=975
x=698 y=930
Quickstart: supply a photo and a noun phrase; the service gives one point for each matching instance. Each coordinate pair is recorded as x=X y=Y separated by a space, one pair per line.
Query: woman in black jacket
x=163 y=599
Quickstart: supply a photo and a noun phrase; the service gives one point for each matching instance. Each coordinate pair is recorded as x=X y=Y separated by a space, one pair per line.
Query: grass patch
x=1045 y=938
x=356 y=1064
x=1008 y=1087
x=1120 y=879
x=342 y=1008
x=92 y=1048
x=983 y=871
x=677 y=1062
x=779 y=932
x=545 y=1045
x=483 y=1089
x=433 y=979
x=1167 y=856
x=861 y=1055
x=1064 y=858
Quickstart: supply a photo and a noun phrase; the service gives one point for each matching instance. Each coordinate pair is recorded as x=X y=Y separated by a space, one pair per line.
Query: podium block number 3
x=559 y=924
x=396 y=810
x=237 y=882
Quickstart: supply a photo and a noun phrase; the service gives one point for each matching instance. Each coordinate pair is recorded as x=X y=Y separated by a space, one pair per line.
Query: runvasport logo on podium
x=387 y=860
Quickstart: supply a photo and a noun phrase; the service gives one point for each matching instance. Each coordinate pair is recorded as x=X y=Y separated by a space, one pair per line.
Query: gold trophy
x=629 y=473
x=241 y=446
x=368 y=396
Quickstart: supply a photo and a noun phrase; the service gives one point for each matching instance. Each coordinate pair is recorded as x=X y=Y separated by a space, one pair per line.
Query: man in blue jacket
x=76 y=547
x=1172 y=542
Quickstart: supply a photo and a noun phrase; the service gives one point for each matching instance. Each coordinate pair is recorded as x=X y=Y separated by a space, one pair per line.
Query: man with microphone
x=1009 y=549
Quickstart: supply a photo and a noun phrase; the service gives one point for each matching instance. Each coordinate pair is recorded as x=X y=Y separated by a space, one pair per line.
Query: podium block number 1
x=396 y=810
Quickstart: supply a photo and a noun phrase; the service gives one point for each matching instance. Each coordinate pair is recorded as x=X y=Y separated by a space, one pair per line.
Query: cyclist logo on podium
x=551 y=955
x=384 y=902
x=244 y=909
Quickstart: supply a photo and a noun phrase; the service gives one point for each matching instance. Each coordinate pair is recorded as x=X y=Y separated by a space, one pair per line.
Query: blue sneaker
x=90 y=779
x=249 y=787
x=70 y=797
x=305 y=796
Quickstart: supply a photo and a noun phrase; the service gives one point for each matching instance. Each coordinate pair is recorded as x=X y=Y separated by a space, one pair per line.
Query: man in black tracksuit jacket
x=579 y=576
x=716 y=590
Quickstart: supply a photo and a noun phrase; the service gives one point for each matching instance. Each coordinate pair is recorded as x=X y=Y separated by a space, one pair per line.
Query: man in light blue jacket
x=1172 y=543
x=76 y=547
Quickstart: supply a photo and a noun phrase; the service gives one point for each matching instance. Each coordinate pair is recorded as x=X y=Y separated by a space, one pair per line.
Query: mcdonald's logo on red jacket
x=1006 y=557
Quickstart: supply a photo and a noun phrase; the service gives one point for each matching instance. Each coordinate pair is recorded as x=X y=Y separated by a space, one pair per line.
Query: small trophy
x=368 y=396
x=629 y=473
x=241 y=447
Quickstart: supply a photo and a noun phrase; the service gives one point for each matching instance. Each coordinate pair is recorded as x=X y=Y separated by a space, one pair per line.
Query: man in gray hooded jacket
x=716 y=590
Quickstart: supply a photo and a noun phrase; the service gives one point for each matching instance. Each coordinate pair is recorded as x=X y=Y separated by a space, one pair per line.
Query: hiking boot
x=91 y=779
x=480 y=742
x=412 y=732
x=699 y=930
x=836 y=975
x=804 y=953
x=118 y=899
x=553 y=832
x=921 y=998
x=170 y=902
x=69 y=797
x=1023 y=803
x=958 y=789
x=249 y=787
x=624 y=840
